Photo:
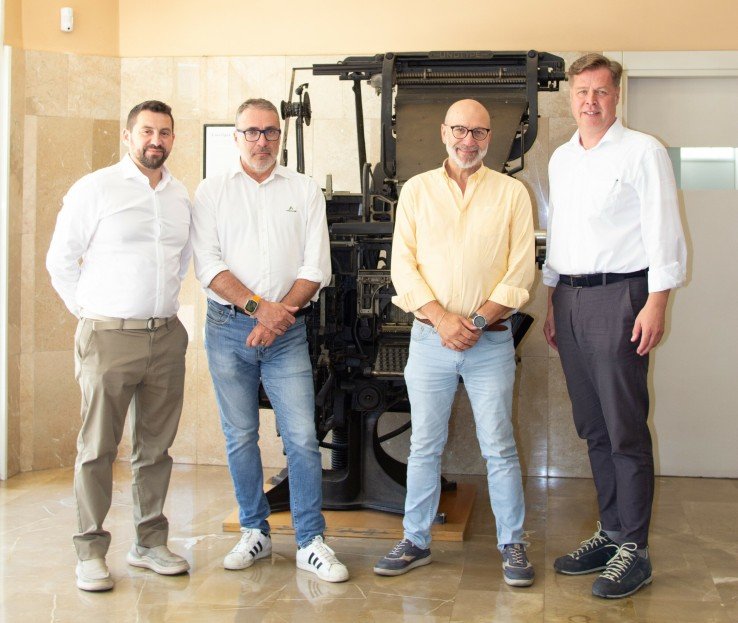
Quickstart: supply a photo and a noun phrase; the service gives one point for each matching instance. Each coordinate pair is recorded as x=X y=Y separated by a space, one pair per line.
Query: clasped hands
x=274 y=319
x=456 y=332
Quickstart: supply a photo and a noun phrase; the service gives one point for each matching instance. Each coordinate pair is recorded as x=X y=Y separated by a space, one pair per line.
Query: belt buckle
x=573 y=277
x=151 y=324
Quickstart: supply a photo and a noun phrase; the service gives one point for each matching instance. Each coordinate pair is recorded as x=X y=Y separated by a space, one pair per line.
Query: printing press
x=358 y=340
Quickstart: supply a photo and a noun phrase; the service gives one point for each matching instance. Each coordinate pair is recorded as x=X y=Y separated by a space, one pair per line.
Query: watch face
x=251 y=306
x=479 y=321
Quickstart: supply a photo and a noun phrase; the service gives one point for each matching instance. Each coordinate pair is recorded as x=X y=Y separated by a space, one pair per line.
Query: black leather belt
x=599 y=279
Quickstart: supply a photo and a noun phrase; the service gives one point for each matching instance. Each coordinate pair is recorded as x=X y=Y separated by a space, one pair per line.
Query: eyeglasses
x=460 y=131
x=253 y=134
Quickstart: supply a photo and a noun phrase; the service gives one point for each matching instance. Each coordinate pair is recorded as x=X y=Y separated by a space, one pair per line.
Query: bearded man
x=462 y=261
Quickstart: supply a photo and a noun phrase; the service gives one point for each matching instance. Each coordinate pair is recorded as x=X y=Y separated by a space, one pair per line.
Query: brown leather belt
x=495 y=326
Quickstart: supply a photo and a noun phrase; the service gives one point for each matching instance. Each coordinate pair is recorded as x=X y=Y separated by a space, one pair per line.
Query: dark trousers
x=608 y=389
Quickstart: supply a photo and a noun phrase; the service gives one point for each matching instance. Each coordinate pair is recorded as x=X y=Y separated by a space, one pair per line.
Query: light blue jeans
x=285 y=371
x=432 y=376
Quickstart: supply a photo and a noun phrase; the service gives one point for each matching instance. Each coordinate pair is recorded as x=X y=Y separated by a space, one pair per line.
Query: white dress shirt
x=266 y=234
x=132 y=240
x=614 y=209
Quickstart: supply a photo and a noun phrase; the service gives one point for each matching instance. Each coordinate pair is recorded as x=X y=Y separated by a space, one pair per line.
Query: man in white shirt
x=261 y=249
x=615 y=250
x=117 y=259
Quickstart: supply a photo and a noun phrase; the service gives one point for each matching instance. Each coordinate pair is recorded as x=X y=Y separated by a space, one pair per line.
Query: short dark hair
x=151 y=105
x=257 y=102
x=592 y=61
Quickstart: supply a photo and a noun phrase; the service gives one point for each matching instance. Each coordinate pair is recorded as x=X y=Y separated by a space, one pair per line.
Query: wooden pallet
x=374 y=524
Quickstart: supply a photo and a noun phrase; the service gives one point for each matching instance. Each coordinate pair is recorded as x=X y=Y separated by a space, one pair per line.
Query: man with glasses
x=260 y=241
x=462 y=260
x=117 y=259
x=615 y=250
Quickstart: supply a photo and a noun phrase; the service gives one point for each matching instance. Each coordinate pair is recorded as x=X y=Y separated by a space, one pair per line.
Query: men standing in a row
x=117 y=259
x=615 y=250
x=462 y=260
x=261 y=249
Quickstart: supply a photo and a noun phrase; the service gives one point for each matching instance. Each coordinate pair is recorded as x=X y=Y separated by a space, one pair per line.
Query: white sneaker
x=159 y=559
x=254 y=544
x=93 y=575
x=320 y=559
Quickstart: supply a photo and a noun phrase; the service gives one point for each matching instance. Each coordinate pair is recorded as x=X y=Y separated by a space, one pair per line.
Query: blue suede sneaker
x=515 y=566
x=592 y=555
x=403 y=557
x=625 y=574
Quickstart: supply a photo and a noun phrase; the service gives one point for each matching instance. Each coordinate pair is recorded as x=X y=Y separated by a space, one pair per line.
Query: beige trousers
x=117 y=368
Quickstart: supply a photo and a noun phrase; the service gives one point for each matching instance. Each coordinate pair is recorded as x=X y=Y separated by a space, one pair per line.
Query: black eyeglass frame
x=259 y=133
x=466 y=131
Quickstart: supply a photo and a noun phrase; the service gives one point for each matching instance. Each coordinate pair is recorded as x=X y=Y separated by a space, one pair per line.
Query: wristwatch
x=480 y=322
x=252 y=305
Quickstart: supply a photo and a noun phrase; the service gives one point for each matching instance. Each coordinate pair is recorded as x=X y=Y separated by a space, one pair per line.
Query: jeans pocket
x=217 y=314
x=420 y=331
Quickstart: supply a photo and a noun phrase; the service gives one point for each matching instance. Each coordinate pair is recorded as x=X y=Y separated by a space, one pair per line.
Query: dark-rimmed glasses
x=253 y=134
x=460 y=131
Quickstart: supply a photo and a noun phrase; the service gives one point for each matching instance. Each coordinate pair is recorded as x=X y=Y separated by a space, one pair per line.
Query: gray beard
x=465 y=165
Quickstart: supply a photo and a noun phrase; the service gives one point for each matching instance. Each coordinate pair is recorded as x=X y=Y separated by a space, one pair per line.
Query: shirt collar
x=476 y=176
x=131 y=171
x=614 y=133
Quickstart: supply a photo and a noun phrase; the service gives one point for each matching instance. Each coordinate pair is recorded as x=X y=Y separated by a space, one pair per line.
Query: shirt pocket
x=605 y=195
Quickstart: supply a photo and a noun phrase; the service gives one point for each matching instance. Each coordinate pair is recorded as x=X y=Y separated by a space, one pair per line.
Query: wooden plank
x=374 y=524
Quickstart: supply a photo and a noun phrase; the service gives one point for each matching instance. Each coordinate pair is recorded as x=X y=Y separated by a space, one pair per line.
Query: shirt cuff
x=666 y=277
x=415 y=299
x=207 y=275
x=509 y=296
x=310 y=273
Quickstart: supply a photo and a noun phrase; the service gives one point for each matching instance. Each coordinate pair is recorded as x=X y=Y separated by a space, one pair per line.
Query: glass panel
x=705 y=168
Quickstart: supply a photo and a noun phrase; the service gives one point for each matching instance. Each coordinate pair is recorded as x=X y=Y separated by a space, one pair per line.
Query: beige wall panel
x=185 y=161
x=29 y=173
x=47 y=84
x=94 y=87
x=390 y=26
x=567 y=454
x=255 y=76
x=13 y=380
x=530 y=415
x=214 y=94
x=27 y=293
x=105 y=143
x=27 y=393
x=145 y=79
x=64 y=147
x=13 y=23
x=56 y=418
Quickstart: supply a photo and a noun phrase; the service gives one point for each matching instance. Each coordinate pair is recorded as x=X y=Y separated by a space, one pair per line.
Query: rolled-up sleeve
x=75 y=225
x=513 y=290
x=316 y=265
x=204 y=236
x=661 y=227
x=412 y=290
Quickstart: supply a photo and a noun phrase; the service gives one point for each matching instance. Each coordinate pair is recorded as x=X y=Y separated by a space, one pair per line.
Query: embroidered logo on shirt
x=291 y=209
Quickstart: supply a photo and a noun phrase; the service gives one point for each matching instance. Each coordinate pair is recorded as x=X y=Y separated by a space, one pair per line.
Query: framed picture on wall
x=218 y=148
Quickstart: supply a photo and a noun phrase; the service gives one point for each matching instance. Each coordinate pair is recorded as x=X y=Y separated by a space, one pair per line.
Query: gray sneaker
x=403 y=557
x=625 y=574
x=93 y=575
x=159 y=559
x=515 y=566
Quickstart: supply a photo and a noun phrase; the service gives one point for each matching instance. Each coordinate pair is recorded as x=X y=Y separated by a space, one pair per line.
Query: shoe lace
x=516 y=556
x=620 y=562
x=591 y=543
x=323 y=551
x=247 y=542
x=399 y=548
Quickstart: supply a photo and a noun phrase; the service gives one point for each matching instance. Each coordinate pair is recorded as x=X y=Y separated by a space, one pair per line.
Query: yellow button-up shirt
x=462 y=249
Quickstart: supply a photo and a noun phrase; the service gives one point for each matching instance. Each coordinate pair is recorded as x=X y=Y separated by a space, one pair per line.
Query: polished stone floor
x=694 y=546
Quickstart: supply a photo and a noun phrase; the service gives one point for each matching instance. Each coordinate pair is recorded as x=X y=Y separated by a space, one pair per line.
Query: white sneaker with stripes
x=321 y=560
x=254 y=544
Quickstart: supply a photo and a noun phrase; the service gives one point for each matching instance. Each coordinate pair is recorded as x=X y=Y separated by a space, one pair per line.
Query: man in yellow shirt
x=462 y=260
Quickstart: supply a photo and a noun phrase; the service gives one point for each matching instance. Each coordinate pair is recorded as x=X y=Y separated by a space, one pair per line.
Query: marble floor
x=694 y=546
